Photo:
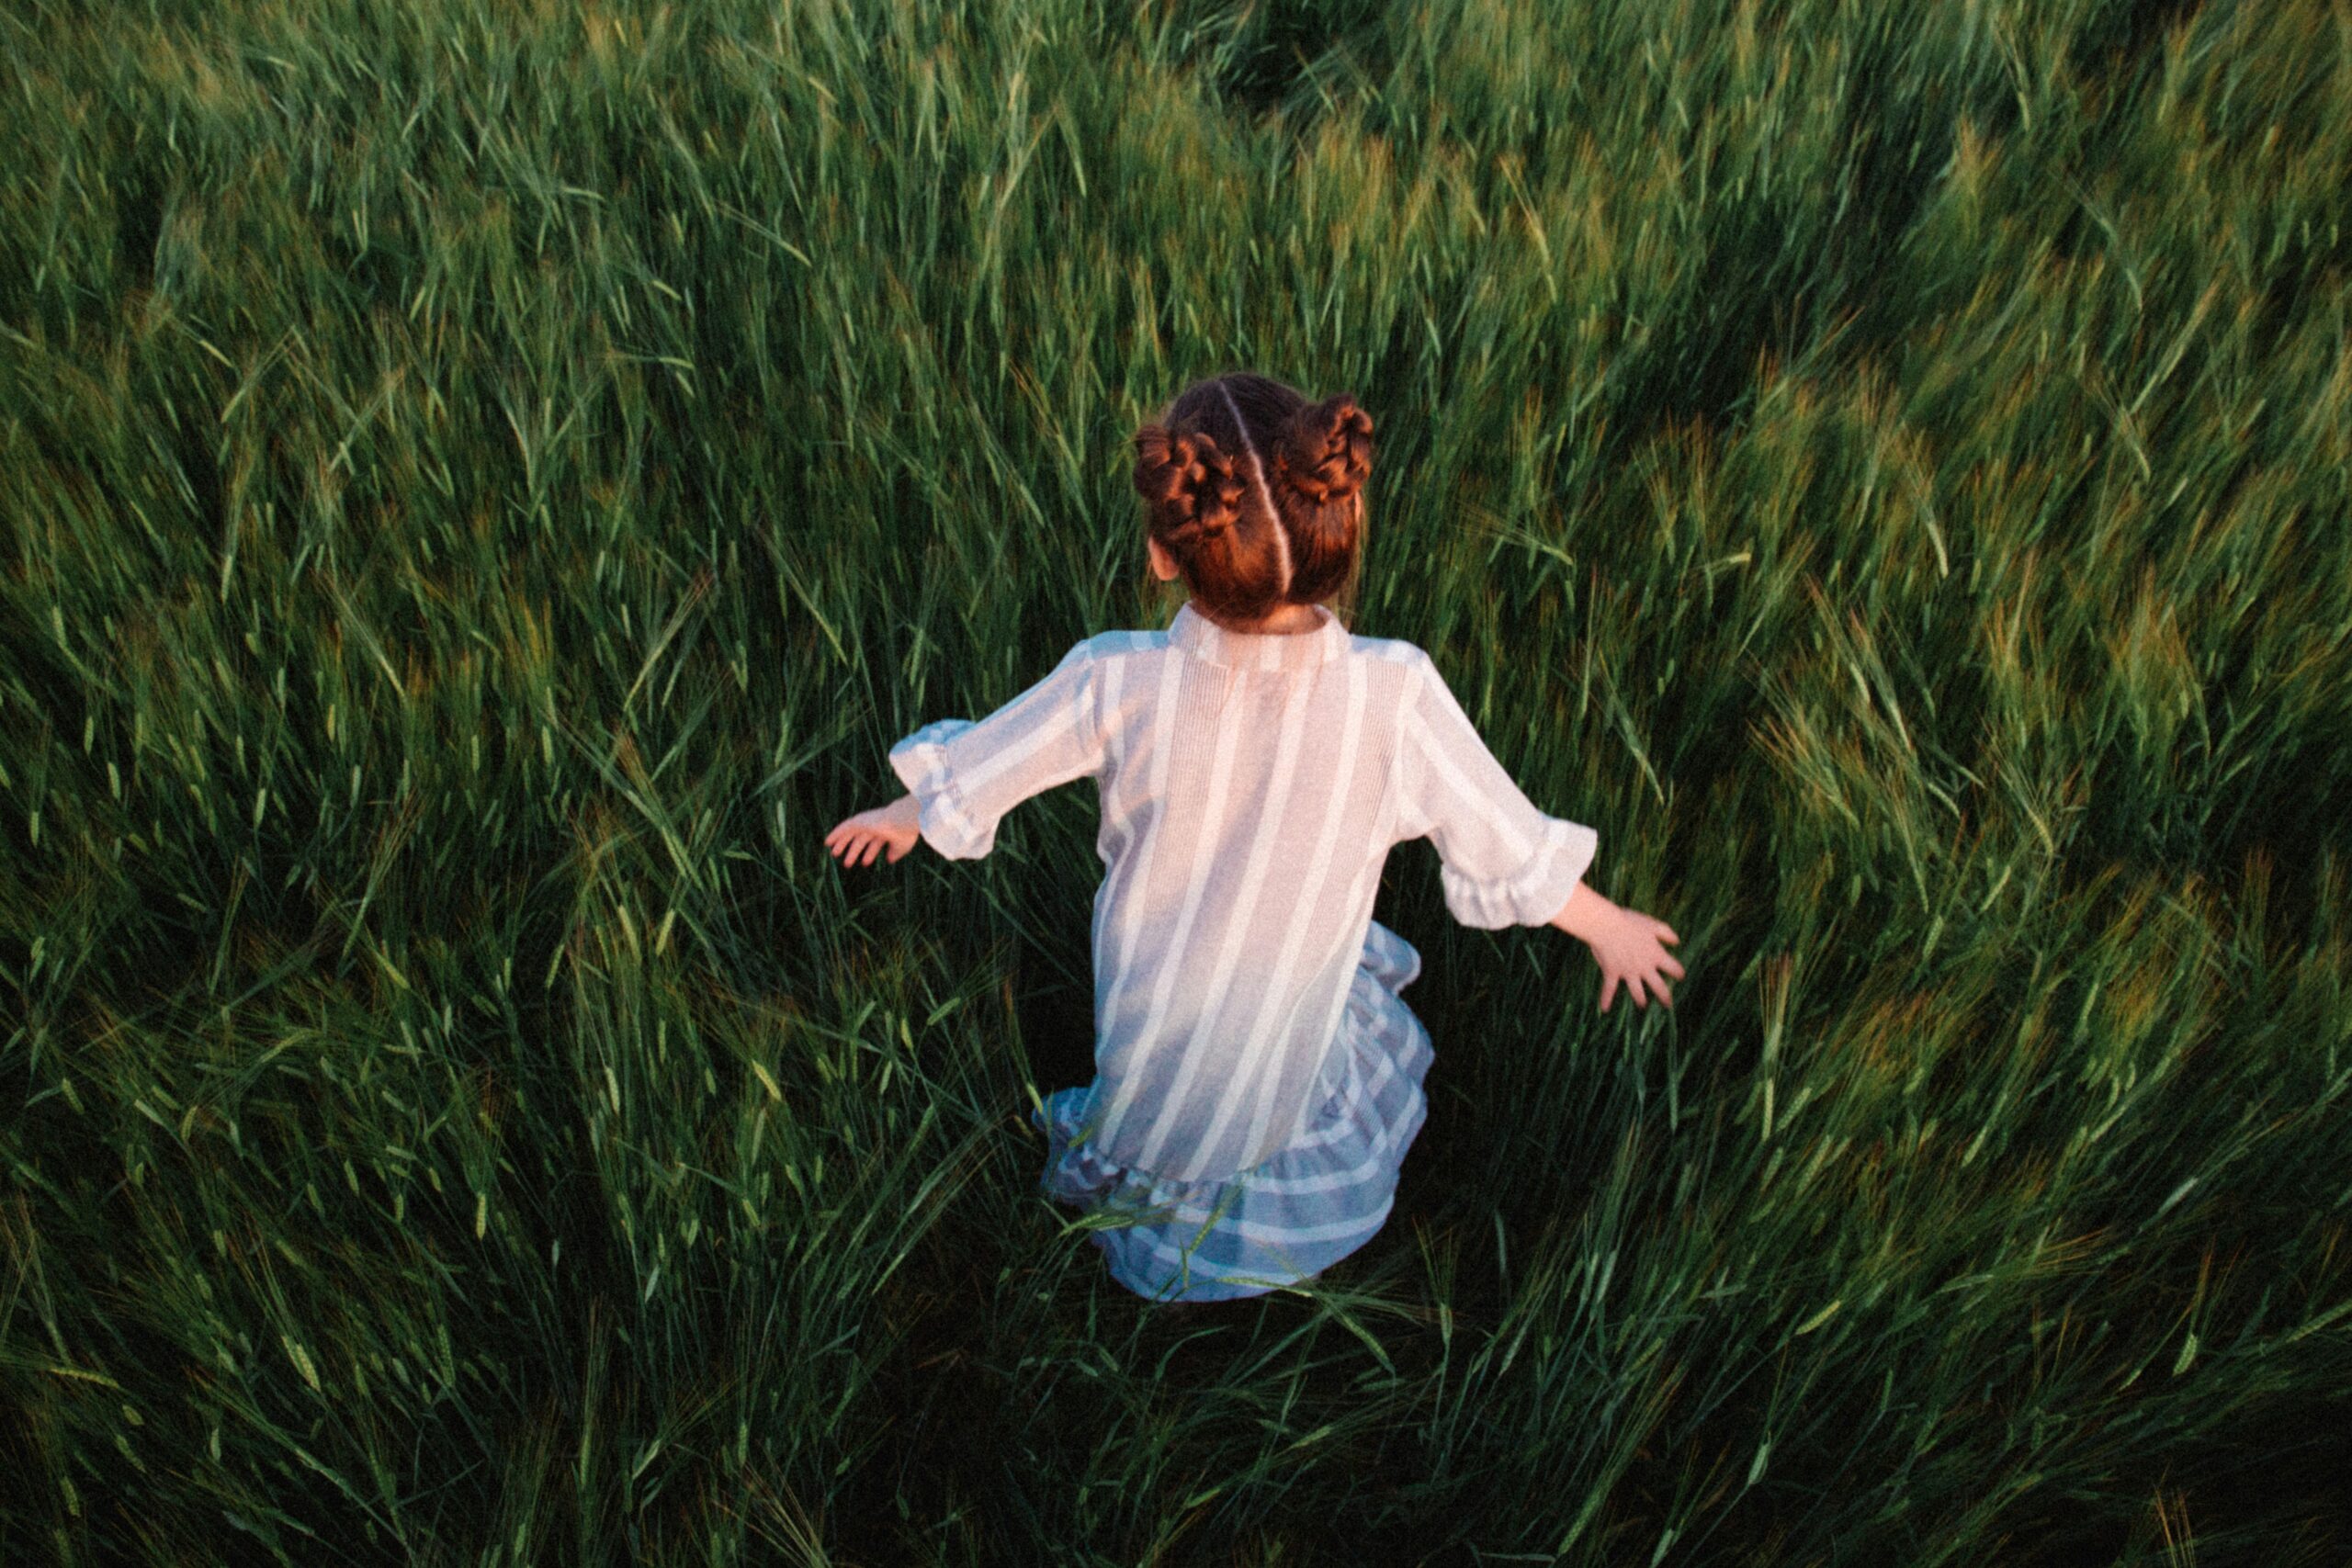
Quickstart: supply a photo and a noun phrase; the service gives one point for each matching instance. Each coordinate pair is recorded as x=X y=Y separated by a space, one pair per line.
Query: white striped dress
x=1257 y=1077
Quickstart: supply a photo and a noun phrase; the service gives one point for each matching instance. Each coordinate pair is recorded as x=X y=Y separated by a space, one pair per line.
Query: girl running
x=1258 y=1078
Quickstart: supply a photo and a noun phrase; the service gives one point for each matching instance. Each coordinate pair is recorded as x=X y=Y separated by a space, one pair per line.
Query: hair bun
x=1187 y=481
x=1326 y=454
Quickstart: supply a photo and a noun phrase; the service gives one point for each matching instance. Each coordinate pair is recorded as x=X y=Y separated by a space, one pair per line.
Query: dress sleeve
x=1504 y=862
x=964 y=776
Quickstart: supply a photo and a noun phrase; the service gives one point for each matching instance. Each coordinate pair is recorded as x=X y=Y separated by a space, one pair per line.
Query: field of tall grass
x=484 y=483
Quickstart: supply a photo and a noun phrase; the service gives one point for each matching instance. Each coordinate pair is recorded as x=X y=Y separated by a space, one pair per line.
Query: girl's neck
x=1286 y=620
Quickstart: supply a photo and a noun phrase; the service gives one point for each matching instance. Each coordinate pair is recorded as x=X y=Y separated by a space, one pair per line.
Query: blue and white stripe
x=1322 y=1197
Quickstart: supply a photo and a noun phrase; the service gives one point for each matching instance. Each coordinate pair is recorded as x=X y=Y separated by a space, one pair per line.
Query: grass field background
x=485 y=484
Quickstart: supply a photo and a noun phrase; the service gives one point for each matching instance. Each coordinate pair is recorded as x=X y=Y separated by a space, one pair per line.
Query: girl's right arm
x=1507 y=863
x=1626 y=943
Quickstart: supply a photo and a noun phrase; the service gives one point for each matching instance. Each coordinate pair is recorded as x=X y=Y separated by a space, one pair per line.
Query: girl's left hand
x=857 y=840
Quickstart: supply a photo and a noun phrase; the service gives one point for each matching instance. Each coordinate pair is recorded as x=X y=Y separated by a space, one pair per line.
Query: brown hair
x=1252 y=490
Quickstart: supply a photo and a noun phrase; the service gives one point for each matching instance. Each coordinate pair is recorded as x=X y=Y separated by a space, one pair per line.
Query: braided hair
x=1252 y=489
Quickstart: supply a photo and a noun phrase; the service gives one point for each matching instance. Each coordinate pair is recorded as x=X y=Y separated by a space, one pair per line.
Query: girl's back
x=1251 y=786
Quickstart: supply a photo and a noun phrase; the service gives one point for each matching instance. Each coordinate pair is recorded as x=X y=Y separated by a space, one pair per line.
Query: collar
x=1205 y=640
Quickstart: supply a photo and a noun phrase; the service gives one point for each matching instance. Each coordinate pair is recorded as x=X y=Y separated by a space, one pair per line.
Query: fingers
x=852 y=844
x=1643 y=987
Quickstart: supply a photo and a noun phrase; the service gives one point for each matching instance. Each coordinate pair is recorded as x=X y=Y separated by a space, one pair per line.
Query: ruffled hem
x=1540 y=890
x=943 y=817
x=1327 y=1193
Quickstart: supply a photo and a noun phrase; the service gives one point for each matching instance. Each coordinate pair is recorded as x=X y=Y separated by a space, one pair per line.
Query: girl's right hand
x=1629 y=947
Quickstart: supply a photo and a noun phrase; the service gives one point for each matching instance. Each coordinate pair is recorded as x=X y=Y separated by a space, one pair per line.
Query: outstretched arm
x=857 y=840
x=962 y=777
x=1508 y=864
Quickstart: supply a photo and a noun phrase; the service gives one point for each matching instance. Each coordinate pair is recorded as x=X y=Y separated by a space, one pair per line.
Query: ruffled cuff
x=1537 y=893
x=946 y=822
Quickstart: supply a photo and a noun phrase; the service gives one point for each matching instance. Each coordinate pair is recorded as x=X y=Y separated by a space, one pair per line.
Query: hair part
x=1253 y=490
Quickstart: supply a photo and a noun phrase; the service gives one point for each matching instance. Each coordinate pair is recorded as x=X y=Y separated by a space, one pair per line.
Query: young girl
x=1258 y=1078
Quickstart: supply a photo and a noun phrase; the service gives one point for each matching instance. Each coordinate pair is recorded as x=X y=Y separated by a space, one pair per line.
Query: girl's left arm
x=962 y=777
